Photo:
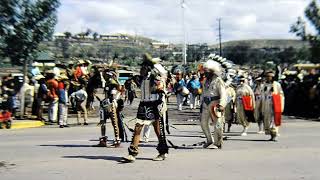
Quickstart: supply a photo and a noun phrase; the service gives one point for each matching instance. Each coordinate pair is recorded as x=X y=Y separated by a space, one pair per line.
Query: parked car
x=125 y=75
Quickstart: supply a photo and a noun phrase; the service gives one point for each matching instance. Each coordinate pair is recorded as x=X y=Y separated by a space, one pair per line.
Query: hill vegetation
x=266 y=43
x=260 y=51
x=128 y=51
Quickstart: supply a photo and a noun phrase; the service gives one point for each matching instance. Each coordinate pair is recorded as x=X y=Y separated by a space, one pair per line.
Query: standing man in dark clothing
x=41 y=97
x=151 y=108
x=130 y=92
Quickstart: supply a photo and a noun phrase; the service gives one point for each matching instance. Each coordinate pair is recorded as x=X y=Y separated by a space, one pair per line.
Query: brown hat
x=270 y=73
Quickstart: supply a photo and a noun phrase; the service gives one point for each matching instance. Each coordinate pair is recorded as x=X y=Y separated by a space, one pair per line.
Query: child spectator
x=6 y=119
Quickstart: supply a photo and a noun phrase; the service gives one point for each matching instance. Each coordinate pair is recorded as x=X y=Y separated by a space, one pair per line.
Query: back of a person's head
x=50 y=76
x=42 y=81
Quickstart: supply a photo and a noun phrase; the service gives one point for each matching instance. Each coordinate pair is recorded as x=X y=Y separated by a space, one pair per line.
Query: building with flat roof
x=107 y=37
x=160 y=45
x=59 y=35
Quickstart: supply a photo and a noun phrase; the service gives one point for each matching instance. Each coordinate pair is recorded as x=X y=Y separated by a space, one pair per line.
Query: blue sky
x=162 y=19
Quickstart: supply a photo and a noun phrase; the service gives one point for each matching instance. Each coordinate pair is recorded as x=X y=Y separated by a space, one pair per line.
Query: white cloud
x=162 y=19
x=247 y=21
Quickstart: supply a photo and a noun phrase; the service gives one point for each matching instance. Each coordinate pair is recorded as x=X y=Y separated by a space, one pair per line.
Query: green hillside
x=265 y=43
x=128 y=51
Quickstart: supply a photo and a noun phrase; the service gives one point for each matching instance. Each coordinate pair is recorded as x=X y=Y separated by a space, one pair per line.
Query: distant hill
x=129 y=49
x=142 y=39
x=265 y=43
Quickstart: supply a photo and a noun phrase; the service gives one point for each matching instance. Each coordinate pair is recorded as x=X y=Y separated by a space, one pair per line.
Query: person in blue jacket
x=194 y=87
x=178 y=88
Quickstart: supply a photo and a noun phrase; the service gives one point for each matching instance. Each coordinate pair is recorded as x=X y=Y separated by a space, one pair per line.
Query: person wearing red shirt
x=53 y=98
x=78 y=72
x=5 y=117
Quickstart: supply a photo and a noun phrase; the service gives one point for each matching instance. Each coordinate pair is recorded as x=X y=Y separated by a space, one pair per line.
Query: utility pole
x=184 y=49
x=220 y=36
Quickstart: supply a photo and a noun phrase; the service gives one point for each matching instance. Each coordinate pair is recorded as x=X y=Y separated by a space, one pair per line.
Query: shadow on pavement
x=65 y=145
x=175 y=135
x=97 y=140
x=110 y=158
x=82 y=145
x=147 y=145
x=200 y=132
x=252 y=140
x=187 y=147
x=236 y=133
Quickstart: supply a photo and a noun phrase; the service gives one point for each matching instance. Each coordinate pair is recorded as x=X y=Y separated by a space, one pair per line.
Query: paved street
x=50 y=153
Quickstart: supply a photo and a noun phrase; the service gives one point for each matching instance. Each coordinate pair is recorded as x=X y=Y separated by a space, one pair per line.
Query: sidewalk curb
x=26 y=124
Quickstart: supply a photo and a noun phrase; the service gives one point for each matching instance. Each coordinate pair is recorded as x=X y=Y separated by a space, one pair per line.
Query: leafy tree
x=237 y=54
x=103 y=51
x=312 y=13
x=130 y=62
x=81 y=35
x=95 y=36
x=82 y=51
x=288 y=55
x=197 y=52
x=68 y=34
x=23 y=25
x=88 y=32
x=303 y=54
x=91 y=51
x=64 y=44
x=43 y=47
x=74 y=50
